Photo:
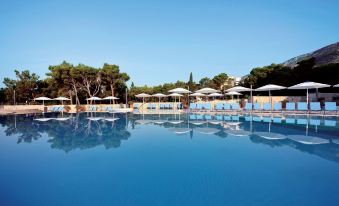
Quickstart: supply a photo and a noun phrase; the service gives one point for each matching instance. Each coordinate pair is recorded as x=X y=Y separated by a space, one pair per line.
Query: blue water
x=93 y=159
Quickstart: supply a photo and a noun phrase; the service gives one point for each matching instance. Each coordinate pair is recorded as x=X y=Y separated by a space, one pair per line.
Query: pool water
x=189 y=159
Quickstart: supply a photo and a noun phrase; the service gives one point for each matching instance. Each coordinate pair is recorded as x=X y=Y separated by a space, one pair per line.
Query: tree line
x=75 y=82
x=79 y=82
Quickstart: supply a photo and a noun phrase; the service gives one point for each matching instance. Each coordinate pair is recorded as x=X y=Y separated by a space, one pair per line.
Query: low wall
x=23 y=107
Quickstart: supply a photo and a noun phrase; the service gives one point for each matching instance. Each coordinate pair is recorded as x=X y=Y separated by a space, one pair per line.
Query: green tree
x=219 y=80
x=25 y=86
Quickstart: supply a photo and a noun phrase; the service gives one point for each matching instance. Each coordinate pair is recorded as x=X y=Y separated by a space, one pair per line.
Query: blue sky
x=162 y=41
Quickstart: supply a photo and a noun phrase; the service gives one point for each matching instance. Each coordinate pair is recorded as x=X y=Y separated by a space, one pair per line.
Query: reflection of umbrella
x=62 y=118
x=304 y=139
x=180 y=130
x=207 y=130
x=43 y=119
x=43 y=99
x=337 y=85
x=269 y=88
x=270 y=135
x=94 y=118
x=110 y=119
x=238 y=133
x=62 y=99
x=207 y=90
x=309 y=85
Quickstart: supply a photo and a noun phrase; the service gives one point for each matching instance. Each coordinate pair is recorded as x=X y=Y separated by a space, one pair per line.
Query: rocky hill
x=326 y=55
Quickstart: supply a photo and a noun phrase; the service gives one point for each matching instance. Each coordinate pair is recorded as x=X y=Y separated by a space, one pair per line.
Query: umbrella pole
x=251 y=94
x=307 y=96
x=270 y=99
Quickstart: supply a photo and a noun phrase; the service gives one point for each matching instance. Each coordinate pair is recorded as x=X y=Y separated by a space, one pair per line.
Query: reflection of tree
x=20 y=125
x=75 y=133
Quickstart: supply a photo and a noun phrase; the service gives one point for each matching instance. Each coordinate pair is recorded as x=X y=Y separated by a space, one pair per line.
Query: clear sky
x=163 y=41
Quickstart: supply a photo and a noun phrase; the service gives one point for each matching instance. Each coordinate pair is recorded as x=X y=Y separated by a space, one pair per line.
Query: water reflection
x=314 y=135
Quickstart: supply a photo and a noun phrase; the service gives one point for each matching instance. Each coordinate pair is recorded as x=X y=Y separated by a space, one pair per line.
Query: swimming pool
x=190 y=159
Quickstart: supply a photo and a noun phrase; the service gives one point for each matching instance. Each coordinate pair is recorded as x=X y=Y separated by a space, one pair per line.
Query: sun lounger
x=207 y=106
x=315 y=107
x=227 y=106
x=257 y=118
x=235 y=106
x=218 y=106
x=290 y=106
x=179 y=106
x=149 y=106
x=277 y=106
x=199 y=106
x=256 y=107
x=248 y=107
x=248 y=118
x=193 y=106
x=170 y=106
x=235 y=118
x=302 y=106
x=267 y=119
x=219 y=117
x=267 y=107
x=302 y=121
x=330 y=107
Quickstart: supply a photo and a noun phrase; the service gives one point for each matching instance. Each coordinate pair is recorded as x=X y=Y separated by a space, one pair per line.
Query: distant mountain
x=326 y=55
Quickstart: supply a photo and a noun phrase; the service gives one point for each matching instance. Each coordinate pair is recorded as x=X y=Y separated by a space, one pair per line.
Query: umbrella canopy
x=179 y=90
x=309 y=85
x=175 y=95
x=197 y=95
x=143 y=95
x=42 y=99
x=233 y=93
x=270 y=87
x=215 y=95
x=93 y=99
x=239 y=89
x=207 y=90
x=110 y=98
x=159 y=95
x=62 y=99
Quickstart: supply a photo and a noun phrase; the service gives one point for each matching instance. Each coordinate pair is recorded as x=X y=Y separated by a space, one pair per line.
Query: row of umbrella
x=43 y=99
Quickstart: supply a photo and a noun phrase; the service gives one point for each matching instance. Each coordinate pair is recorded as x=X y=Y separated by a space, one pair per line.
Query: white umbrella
x=207 y=90
x=269 y=88
x=93 y=99
x=215 y=95
x=337 y=85
x=110 y=98
x=309 y=85
x=241 y=89
x=175 y=95
x=197 y=95
x=143 y=96
x=159 y=95
x=62 y=99
x=233 y=93
x=179 y=91
x=43 y=99
x=238 y=89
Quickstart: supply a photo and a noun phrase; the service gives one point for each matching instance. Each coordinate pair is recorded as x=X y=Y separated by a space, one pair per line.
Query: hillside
x=326 y=55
